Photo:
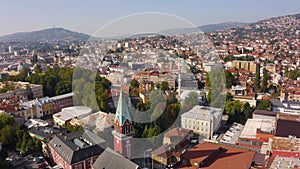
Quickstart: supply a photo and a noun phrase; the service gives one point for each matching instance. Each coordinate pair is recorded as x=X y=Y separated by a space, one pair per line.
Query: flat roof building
x=287 y=124
x=257 y=131
x=67 y=114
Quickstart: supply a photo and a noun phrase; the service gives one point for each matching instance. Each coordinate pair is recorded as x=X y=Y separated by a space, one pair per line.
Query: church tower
x=123 y=129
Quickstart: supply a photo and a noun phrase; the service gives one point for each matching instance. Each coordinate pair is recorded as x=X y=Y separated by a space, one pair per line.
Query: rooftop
x=231 y=135
x=72 y=112
x=251 y=126
x=285 y=162
x=265 y=113
x=286 y=143
x=110 y=159
x=178 y=131
x=77 y=146
x=286 y=125
x=211 y=155
x=62 y=96
x=202 y=112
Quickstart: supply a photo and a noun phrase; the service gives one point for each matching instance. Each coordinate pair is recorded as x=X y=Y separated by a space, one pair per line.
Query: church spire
x=123 y=129
x=122 y=113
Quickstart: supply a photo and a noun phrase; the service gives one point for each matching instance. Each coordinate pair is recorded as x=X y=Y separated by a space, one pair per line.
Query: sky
x=90 y=15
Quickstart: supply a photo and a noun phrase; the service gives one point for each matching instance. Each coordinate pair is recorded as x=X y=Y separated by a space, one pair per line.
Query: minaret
x=123 y=129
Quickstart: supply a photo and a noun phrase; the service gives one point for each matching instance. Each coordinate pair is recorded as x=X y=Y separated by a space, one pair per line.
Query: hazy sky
x=89 y=15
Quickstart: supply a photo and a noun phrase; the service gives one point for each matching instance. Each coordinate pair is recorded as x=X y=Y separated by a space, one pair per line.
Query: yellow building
x=245 y=65
x=39 y=107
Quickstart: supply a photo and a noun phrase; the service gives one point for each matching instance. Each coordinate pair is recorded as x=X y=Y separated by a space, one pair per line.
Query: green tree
x=236 y=111
x=134 y=83
x=7 y=135
x=23 y=74
x=6 y=120
x=37 y=68
x=293 y=74
x=248 y=110
x=150 y=133
x=229 y=78
x=164 y=86
x=257 y=79
x=265 y=79
x=71 y=128
x=265 y=105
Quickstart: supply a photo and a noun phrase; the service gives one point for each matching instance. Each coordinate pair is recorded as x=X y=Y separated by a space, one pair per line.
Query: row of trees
x=261 y=86
x=91 y=89
x=239 y=112
x=55 y=80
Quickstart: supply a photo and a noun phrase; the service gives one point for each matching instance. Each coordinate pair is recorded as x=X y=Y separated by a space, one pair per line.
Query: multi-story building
x=21 y=90
x=202 y=120
x=38 y=108
x=290 y=94
x=289 y=107
x=245 y=65
x=62 y=101
x=76 y=150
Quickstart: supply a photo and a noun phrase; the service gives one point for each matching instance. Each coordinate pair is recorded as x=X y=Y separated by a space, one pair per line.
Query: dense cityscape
x=216 y=99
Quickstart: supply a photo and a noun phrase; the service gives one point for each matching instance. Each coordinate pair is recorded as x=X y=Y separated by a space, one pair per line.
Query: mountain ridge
x=62 y=34
x=49 y=34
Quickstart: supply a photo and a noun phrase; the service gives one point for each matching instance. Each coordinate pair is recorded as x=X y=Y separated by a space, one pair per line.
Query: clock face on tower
x=127 y=141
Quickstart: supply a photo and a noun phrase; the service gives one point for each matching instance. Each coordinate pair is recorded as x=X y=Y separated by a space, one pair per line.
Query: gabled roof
x=109 y=159
x=66 y=147
x=211 y=155
x=122 y=113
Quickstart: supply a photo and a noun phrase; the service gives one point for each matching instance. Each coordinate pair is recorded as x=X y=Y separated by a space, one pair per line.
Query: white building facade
x=202 y=120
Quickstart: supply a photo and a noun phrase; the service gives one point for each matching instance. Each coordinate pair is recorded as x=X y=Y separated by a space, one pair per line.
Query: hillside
x=52 y=34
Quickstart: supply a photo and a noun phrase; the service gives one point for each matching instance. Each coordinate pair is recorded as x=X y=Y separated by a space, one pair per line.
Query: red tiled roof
x=213 y=156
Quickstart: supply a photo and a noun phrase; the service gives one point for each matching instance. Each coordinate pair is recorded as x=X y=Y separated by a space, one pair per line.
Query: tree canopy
x=265 y=105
